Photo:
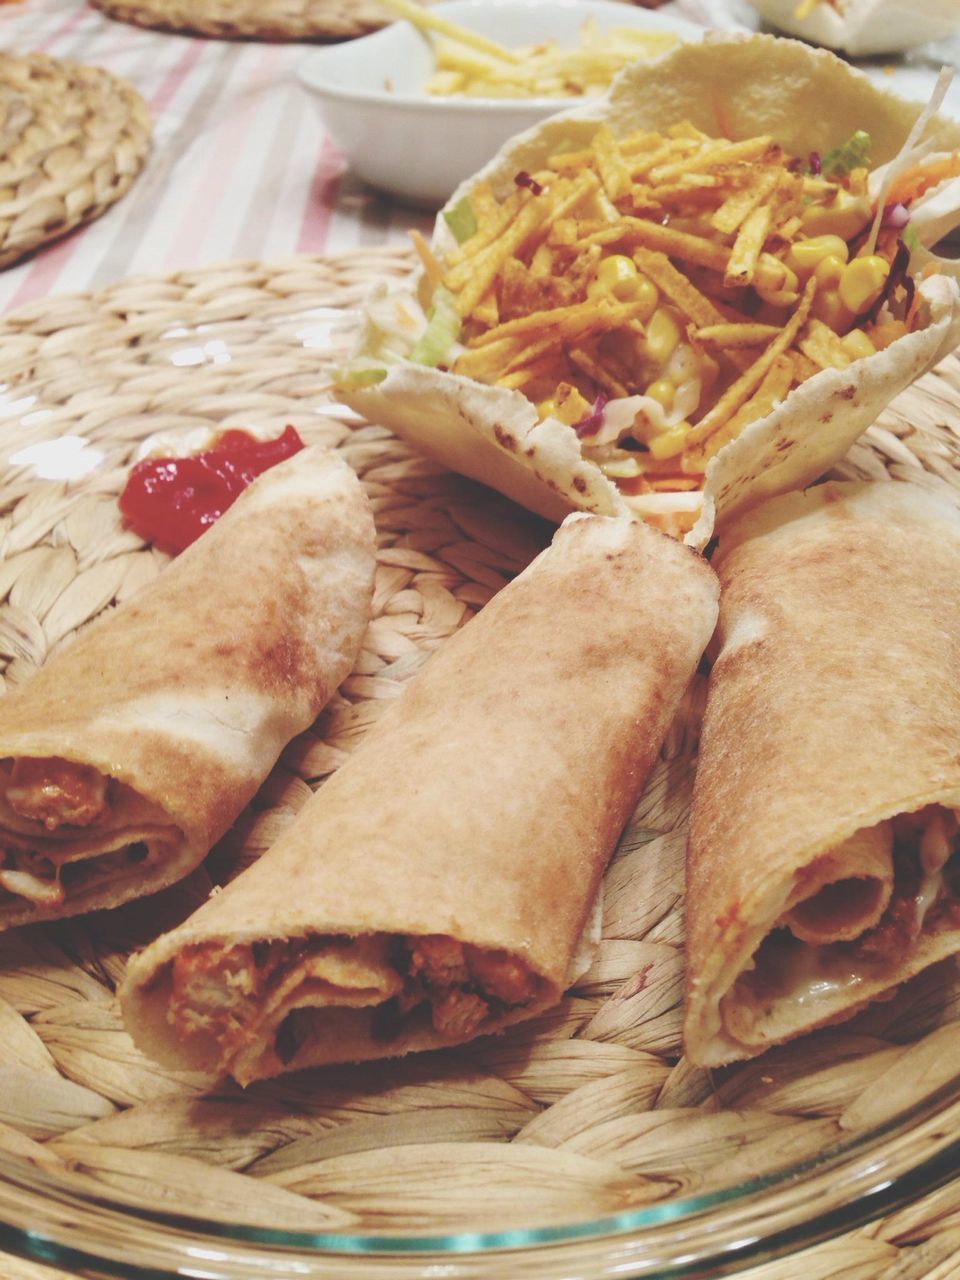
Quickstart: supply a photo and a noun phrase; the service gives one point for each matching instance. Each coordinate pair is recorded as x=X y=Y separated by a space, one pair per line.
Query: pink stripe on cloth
x=42 y=276
x=175 y=77
x=322 y=199
x=63 y=30
x=40 y=279
x=201 y=216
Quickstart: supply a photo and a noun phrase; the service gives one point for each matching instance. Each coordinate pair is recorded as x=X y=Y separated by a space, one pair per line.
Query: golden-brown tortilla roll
x=437 y=886
x=821 y=865
x=133 y=750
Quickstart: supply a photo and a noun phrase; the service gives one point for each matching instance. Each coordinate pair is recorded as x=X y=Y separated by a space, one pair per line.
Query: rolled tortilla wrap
x=133 y=750
x=437 y=885
x=821 y=868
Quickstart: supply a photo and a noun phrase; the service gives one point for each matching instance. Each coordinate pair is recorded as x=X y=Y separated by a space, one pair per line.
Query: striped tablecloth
x=241 y=167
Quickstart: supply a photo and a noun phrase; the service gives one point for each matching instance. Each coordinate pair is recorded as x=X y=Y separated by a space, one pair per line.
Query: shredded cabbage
x=850 y=155
x=443 y=329
x=360 y=375
x=461 y=220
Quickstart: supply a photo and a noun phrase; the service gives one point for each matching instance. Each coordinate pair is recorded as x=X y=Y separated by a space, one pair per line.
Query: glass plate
x=579 y=1145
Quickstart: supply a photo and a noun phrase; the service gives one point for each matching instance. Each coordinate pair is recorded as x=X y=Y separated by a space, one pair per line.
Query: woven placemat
x=587 y=1111
x=253 y=19
x=72 y=140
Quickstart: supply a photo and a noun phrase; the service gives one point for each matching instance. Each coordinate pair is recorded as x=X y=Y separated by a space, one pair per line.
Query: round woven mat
x=72 y=140
x=253 y=19
x=587 y=1111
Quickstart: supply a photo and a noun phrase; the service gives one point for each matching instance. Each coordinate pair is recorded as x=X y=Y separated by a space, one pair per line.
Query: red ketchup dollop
x=171 y=501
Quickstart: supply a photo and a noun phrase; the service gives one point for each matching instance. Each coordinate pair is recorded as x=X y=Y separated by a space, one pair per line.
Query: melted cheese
x=44 y=893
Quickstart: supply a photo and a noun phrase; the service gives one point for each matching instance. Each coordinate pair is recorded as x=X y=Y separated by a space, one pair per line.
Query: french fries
x=641 y=291
x=470 y=65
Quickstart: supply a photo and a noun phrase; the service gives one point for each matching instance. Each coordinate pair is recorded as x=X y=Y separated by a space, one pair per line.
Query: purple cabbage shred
x=523 y=179
x=896 y=216
x=898 y=275
x=592 y=423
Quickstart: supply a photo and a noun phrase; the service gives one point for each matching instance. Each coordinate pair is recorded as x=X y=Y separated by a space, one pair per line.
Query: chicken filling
x=269 y=993
x=923 y=901
x=48 y=806
x=56 y=793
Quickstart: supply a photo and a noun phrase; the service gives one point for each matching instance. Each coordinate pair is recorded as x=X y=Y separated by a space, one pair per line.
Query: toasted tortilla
x=862 y=28
x=475 y=820
x=833 y=713
x=166 y=714
x=732 y=86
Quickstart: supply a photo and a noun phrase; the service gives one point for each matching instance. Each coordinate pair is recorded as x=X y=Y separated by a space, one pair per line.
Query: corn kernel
x=828 y=270
x=625 y=468
x=617 y=276
x=845 y=216
x=662 y=336
x=862 y=282
x=828 y=307
x=667 y=444
x=775 y=282
x=857 y=344
x=646 y=298
x=662 y=391
x=546 y=409
x=804 y=256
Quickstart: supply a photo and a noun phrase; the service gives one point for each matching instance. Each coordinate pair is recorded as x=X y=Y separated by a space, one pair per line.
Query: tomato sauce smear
x=171 y=501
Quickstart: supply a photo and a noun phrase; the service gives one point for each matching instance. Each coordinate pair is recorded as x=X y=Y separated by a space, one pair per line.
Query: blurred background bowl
x=419 y=147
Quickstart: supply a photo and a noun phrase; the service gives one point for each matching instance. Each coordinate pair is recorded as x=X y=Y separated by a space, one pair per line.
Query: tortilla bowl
x=729 y=86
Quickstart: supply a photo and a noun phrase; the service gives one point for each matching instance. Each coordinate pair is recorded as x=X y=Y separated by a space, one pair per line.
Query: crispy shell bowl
x=736 y=87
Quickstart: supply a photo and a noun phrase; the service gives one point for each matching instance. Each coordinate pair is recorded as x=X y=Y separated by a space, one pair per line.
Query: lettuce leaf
x=850 y=155
x=442 y=331
x=461 y=220
x=359 y=375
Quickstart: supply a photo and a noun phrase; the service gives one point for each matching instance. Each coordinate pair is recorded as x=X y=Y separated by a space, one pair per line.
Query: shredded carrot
x=430 y=265
x=919 y=178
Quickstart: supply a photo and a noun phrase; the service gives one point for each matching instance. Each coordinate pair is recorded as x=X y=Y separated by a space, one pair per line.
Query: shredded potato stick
x=750 y=240
x=600 y=374
x=736 y=335
x=719 y=153
x=741 y=390
x=677 y=244
x=534 y=220
x=675 y=268
x=573 y=317
x=430 y=265
x=736 y=207
x=427 y=20
x=822 y=346
x=468 y=63
x=610 y=164
x=479 y=69
x=685 y=295
x=772 y=390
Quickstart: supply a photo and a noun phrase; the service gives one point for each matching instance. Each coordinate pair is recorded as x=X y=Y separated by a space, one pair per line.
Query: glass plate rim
x=612 y=1236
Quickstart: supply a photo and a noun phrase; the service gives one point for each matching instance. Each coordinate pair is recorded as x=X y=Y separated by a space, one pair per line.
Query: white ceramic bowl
x=417 y=147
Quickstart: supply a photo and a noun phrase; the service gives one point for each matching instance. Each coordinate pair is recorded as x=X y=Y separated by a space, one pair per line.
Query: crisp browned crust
x=834 y=703
x=486 y=802
x=188 y=693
